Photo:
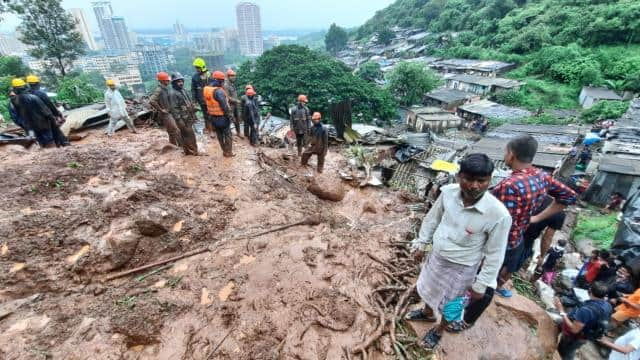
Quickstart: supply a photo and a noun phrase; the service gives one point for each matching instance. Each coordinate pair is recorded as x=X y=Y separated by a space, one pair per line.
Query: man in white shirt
x=626 y=347
x=117 y=108
x=465 y=225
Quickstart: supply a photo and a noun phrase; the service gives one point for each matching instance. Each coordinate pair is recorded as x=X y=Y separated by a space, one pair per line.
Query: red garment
x=592 y=271
x=523 y=192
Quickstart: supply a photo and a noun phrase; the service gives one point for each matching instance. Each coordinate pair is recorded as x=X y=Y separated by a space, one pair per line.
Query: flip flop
x=431 y=339
x=418 y=315
x=457 y=326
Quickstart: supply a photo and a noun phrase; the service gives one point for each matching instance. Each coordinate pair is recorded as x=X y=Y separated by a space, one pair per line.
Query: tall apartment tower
x=82 y=26
x=113 y=28
x=249 y=29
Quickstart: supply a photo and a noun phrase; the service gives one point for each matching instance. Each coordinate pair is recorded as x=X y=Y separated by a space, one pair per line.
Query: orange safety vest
x=213 y=107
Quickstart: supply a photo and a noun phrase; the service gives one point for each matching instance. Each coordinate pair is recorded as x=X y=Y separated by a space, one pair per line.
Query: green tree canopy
x=51 y=31
x=335 y=39
x=385 y=36
x=13 y=65
x=370 y=71
x=410 y=81
x=286 y=71
x=77 y=90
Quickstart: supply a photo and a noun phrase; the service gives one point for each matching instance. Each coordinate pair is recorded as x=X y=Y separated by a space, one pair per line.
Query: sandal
x=418 y=315
x=431 y=339
x=457 y=326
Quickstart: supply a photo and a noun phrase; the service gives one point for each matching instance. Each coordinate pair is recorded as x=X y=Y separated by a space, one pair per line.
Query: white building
x=249 y=29
x=82 y=26
x=124 y=69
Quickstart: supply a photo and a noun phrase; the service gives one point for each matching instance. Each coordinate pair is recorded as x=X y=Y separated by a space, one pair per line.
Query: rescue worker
x=183 y=110
x=13 y=112
x=251 y=115
x=159 y=100
x=58 y=118
x=243 y=101
x=300 y=121
x=198 y=82
x=234 y=102
x=219 y=111
x=117 y=108
x=36 y=116
x=318 y=142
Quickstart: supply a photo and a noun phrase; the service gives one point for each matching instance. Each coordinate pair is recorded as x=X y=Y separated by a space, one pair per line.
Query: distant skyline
x=276 y=14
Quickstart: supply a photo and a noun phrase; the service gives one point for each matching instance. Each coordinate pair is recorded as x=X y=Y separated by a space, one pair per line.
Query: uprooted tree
x=50 y=30
x=282 y=73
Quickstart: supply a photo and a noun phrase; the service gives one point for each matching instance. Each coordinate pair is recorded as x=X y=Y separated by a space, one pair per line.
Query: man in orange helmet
x=159 y=100
x=243 y=102
x=219 y=110
x=251 y=116
x=300 y=121
x=234 y=102
x=318 y=142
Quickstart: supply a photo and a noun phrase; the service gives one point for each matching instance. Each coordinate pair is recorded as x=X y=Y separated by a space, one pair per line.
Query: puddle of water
x=75 y=257
x=17 y=267
x=178 y=226
x=244 y=260
x=205 y=299
x=226 y=291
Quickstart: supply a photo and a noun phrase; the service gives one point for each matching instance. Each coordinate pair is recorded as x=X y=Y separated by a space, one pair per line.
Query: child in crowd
x=547 y=270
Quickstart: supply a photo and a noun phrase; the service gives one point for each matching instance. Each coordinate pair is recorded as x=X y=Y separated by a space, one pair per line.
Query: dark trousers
x=300 y=142
x=473 y=311
x=225 y=140
x=58 y=135
x=236 y=119
x=307 y=155
x=568 y=346
x=253 y=132
x=172 y=129
x=247 y=127
x=188 y=137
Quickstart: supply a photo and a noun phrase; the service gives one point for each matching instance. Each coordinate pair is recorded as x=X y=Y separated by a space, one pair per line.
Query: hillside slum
x=270 y=260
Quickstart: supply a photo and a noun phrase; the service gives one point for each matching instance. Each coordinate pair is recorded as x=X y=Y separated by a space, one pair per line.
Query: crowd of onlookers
x=614 y=301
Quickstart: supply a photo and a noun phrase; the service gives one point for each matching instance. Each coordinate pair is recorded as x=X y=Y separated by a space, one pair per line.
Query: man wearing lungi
x=465 y=225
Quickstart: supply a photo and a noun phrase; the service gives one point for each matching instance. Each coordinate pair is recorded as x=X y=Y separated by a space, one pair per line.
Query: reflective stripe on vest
x=213 y=107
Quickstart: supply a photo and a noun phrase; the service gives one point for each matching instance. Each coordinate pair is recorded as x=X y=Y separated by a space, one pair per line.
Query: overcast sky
x=276 y=14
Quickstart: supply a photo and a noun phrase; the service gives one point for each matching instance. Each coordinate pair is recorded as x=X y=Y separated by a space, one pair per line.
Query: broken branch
x=157 y=263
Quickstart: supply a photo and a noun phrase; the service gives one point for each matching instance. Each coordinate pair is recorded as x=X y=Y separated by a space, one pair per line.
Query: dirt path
x=71 y=216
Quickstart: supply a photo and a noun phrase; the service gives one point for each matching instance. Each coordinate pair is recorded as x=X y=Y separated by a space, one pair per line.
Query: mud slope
x=71 y=216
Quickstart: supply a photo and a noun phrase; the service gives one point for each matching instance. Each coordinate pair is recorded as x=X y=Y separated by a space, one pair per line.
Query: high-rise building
x=152 y=59
x=113 y=28
x=231 y=42
x=10 y=45
x=249 y=29
x=178 y=29
x=82 y=26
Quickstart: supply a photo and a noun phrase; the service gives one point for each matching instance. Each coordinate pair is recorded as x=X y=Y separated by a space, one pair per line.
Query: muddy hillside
x=333 y=286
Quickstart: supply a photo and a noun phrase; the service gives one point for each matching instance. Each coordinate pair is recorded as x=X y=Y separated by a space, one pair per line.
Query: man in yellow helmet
x=34 y=88
x=117 y=108
x=198 y=82
x=36 y=116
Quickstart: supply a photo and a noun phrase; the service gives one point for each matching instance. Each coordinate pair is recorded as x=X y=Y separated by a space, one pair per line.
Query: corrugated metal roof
x=486 y=81
x=490 y=109
x=619 y=165
x=449 y=95
x=601 y=93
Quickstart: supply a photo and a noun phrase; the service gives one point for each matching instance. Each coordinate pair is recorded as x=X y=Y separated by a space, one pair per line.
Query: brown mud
x=71 y=216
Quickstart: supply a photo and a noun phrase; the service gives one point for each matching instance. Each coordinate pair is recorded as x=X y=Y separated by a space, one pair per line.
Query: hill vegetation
x=566 y=42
